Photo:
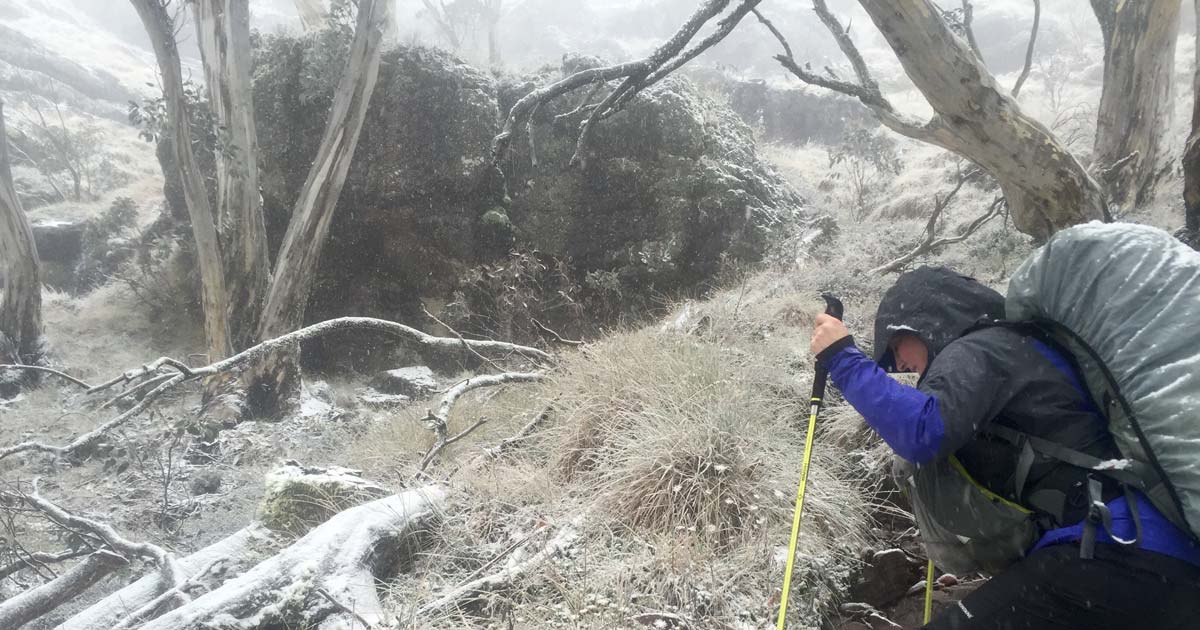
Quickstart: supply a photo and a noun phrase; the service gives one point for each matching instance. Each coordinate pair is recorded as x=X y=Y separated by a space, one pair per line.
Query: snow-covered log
x=339 y=560
x=20 y=610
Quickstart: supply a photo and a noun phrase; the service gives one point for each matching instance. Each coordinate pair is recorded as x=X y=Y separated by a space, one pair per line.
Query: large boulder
x=673 y=187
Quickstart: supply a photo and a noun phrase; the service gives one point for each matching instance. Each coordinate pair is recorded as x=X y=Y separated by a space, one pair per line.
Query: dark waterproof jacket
x=981 y=379
x=975 y=380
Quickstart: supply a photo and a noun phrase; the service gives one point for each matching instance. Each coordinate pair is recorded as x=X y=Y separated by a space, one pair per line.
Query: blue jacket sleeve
x=908 y=419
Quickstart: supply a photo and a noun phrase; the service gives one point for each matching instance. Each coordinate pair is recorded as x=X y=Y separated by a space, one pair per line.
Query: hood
x=935 y=304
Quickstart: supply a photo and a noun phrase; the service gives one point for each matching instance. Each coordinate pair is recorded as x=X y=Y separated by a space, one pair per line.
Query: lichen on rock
x=296 y=498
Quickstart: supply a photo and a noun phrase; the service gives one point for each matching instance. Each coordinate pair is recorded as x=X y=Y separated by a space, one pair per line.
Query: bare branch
x=46 y=370
x=256 y=353
x=170 y=575
x=842 y=36
x=41 y=558
x=583 y=105
x=89 y=438
x=561 y=541
x=465 y=345
x=525 y=432
x=1037 y=17
x=135 y=390
x=346 y=609
x=969 y=29
x=557 y=337
x=867 y=93
x=636 y=75
x=439 y=419
x=931 y=244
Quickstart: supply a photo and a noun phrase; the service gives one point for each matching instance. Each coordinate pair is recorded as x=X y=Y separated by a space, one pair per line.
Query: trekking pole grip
x=834 y=308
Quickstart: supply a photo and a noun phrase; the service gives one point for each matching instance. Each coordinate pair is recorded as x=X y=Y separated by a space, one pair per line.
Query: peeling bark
x=160 y=27
x=21 y=306
x=1137 y=100
x=223 y=33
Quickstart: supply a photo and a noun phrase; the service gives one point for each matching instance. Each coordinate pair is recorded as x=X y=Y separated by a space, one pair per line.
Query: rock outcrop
x=673 y=187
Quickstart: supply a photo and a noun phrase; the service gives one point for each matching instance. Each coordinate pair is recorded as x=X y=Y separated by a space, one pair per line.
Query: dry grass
x=683 y=450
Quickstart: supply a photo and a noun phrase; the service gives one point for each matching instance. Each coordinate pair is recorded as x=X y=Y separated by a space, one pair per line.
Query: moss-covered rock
x=298 y=498
x=672 y=186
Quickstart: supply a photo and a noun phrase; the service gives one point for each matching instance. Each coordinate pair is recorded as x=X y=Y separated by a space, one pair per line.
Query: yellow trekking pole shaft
x=833 y=307
x=928 y=593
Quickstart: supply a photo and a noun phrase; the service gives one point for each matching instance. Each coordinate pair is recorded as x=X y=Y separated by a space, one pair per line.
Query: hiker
x=979 y=387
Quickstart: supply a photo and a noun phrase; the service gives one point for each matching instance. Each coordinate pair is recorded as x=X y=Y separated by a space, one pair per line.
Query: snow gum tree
x=1136 y=102
x=244 y=301
x=1045 y=186
x=21 y=306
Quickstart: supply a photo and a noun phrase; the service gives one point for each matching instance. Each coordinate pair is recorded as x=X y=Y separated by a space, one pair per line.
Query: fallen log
x=20 y=610
x=343 y=557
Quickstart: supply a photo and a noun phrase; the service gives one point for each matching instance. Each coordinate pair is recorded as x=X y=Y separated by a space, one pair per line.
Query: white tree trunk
x=1191 y=159
x=1047 y=189
x=300 y=252
x=296 y=264
x=160 y=27
x=1137 y=99
x=21 y=306
x=223 y=33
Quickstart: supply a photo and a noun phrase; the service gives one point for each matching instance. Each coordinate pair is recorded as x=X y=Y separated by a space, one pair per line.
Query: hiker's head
x=909 y=353
x=931 y=307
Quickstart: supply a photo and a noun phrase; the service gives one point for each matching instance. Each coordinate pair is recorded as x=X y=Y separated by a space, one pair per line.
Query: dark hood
x=936 y=304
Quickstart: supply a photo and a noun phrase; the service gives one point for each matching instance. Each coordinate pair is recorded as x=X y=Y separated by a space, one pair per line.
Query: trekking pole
x=928 y=593
x=833 y=306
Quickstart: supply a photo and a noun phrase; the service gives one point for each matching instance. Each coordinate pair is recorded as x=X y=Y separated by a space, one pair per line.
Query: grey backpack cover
x=1124 y=299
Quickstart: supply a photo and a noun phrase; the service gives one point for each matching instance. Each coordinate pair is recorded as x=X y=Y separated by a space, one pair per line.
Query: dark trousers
x=1121 y=588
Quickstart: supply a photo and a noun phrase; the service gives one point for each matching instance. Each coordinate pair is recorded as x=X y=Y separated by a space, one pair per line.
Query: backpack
x=1122 y=301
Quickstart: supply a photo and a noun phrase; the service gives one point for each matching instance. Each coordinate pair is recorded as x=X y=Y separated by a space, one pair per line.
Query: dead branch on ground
x=256 y=353
x=634 y=76
x=169 y=572
x=439 y=420
x=41 y=558
x=557 y=337
x=46 y=370
x=506 y=576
